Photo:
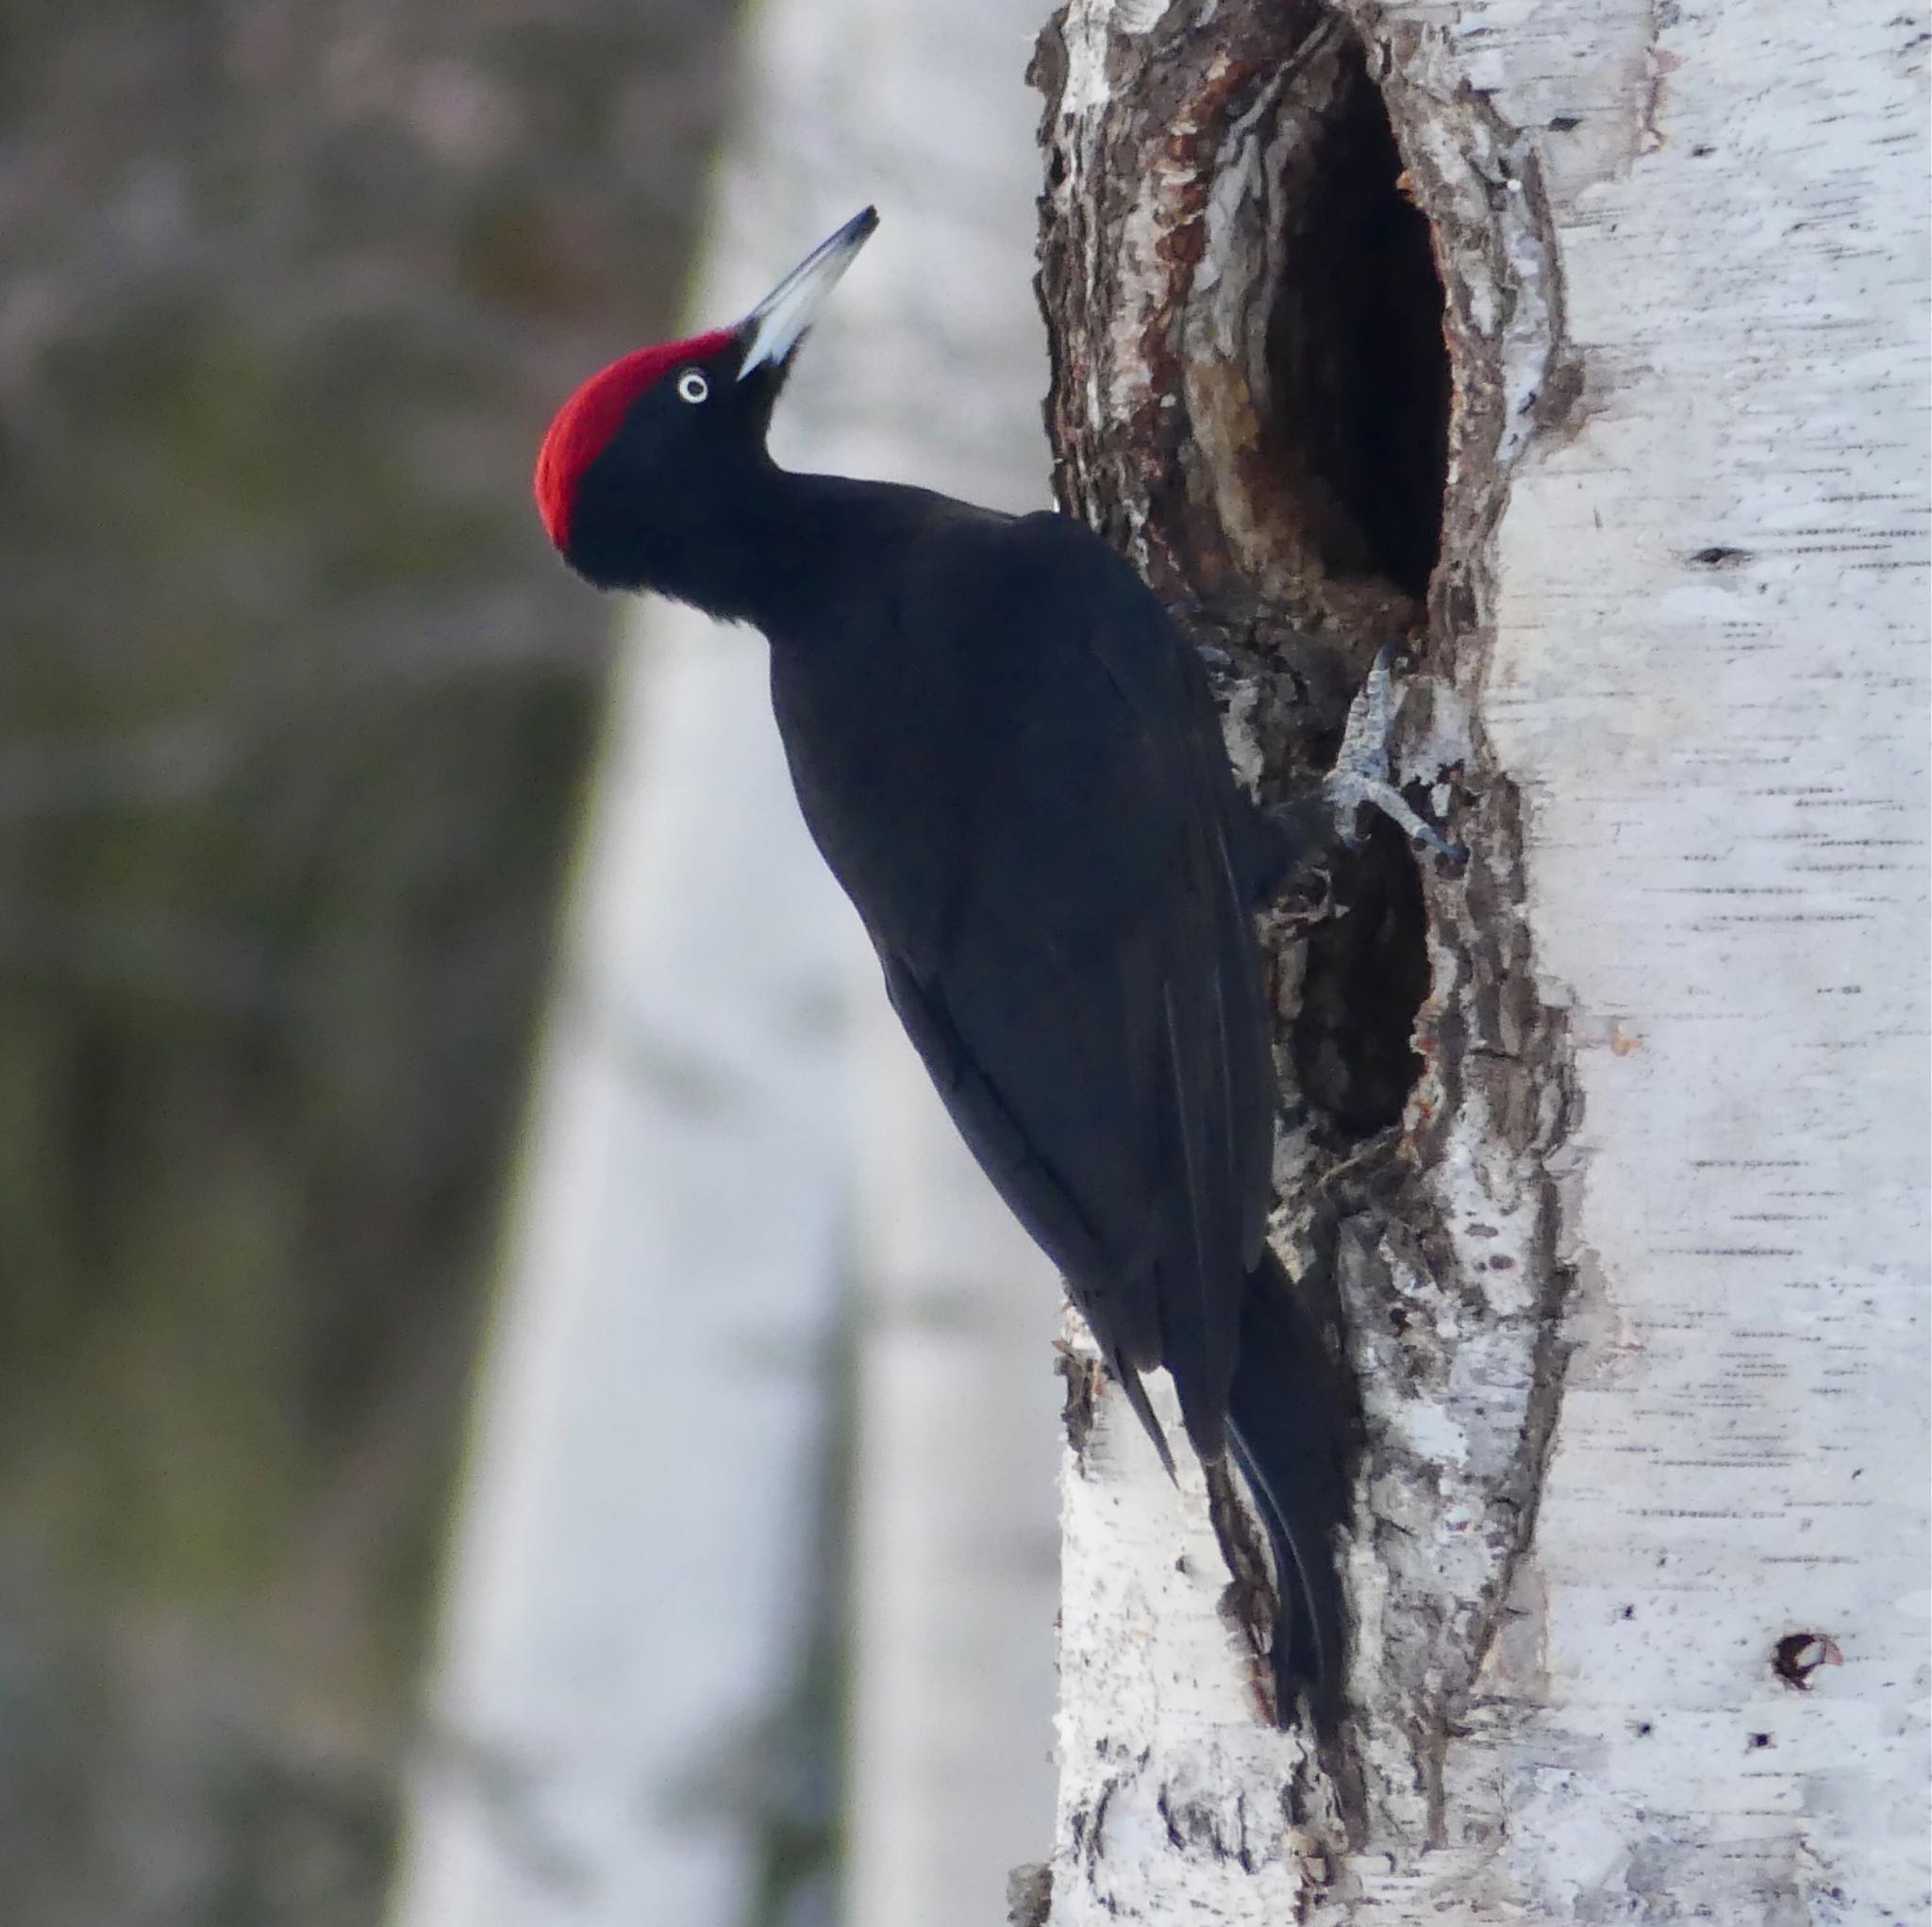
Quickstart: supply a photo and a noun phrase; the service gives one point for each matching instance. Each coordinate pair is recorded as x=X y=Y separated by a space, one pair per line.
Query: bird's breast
x=886 y=758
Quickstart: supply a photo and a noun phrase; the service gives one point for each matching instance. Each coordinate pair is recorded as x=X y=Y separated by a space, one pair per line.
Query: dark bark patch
x=1084 y=1380
x=1798 y=1656
x=1030 y=1895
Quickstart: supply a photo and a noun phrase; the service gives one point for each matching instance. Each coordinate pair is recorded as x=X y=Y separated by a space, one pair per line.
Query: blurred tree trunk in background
x=293 y=703
x=955 y=1566
x=669 y=1653
x=1628 y=1245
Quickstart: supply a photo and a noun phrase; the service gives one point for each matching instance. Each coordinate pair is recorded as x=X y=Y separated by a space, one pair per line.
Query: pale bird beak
x=778 y=323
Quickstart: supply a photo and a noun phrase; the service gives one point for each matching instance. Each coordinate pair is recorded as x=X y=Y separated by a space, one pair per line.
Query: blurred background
x=328 y=859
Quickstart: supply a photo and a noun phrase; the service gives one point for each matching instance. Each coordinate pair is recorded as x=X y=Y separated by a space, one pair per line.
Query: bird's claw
x=1362 y=774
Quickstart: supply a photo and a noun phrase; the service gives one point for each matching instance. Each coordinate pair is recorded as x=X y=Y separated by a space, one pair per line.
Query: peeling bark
x=1242 y=332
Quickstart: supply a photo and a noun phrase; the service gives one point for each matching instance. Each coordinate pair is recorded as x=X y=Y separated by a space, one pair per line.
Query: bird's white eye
x=692 y=386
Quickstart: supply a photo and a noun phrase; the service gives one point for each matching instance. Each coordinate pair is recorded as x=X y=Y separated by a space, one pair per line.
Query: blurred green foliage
x=294 y=709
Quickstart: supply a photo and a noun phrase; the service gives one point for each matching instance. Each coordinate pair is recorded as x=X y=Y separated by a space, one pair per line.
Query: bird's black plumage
x=1012 y=761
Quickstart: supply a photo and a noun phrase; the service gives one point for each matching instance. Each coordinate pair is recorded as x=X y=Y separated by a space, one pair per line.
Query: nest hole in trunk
x=1358 y=380
x=1358 y=395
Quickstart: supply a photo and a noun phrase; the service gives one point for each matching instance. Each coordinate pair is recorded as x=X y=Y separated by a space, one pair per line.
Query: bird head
x=646 y=456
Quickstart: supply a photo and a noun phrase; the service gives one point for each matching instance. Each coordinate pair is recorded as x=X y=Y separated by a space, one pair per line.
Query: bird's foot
x=1362 y=774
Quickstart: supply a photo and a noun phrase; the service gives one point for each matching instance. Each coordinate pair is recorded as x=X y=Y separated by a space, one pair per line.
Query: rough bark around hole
x=1227 y=427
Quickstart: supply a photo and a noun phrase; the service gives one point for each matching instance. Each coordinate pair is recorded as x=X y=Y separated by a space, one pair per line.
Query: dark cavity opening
x=1366 y=974
x=1358 y=370
x=1359 y=388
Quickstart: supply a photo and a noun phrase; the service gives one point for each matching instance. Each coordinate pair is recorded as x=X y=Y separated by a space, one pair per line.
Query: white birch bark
x=1662 y=1290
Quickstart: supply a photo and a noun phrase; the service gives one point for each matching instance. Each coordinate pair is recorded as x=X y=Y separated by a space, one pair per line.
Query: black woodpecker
x=1010 y=760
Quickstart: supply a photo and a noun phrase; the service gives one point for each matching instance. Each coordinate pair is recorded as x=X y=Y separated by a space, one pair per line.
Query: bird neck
x=788 y=549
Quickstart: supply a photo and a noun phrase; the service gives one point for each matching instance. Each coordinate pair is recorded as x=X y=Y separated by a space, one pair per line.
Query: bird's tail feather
x=1289 y=1430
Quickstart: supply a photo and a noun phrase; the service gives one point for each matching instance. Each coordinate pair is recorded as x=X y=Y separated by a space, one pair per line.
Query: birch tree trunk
x=1584 y=343
x=728 y=1125
x=948 y=1769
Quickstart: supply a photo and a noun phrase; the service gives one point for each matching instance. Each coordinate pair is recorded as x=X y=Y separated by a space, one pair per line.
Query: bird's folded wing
x=1099 y=1101
x=1087 y=1000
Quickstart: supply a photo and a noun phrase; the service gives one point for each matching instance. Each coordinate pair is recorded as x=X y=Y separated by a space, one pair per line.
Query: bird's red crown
x=586 y=424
